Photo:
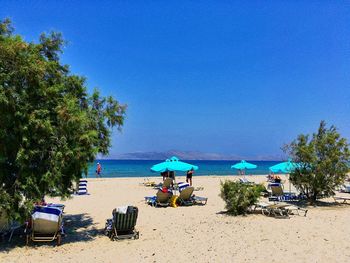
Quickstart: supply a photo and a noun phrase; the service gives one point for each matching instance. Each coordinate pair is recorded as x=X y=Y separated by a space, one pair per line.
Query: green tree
x=324 y=162
x=50 y=128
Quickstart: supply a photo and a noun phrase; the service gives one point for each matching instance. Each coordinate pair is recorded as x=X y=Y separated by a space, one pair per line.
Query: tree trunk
x=314 y=198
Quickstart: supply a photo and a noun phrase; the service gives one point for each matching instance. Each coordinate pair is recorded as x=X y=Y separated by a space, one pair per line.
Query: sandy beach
x=191 y=234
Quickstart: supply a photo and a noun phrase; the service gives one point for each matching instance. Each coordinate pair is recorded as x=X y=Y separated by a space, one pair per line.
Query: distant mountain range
x=189 y=155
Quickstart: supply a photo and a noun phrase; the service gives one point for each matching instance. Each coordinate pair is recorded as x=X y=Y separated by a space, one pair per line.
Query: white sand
x=189 y=234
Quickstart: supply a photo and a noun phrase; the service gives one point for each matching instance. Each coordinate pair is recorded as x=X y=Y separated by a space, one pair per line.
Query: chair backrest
x=346 y=189
x=167 y=182
x=277 y=190
x=127 y=221
x=186 y=193
x=163 y=197
x=243 y=180
x=46 y=220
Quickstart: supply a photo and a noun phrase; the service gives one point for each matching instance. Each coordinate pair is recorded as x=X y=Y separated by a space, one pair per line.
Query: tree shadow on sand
x=78 y=228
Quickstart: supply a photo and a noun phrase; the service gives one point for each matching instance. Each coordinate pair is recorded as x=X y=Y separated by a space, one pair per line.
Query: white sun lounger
x=341 y=198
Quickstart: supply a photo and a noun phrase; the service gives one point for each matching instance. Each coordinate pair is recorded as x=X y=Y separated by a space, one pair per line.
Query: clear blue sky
x=211 y=76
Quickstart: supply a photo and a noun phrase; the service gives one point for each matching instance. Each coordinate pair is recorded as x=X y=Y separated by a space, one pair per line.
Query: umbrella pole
x=290 y=185
x=174 y=183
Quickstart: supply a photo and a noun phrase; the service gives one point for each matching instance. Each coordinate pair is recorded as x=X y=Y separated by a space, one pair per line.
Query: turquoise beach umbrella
x=242 y=165
x=285 y=167
x=173 y=164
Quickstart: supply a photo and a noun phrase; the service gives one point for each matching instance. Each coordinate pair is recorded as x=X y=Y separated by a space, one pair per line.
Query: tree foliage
x=50 y=128
x=239 y=196
x=323 y=160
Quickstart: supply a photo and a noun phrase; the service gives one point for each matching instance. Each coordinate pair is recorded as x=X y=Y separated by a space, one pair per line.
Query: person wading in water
x=98 y=170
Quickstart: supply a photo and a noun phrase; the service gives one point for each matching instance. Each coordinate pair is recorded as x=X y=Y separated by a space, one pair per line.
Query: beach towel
x=122 y=209
x=82 y=188
x=59 y=206
x=47 y=213
x=182 y=186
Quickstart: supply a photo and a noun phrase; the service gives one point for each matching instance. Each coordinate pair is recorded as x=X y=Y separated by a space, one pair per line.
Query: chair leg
x=59 y=239
x=11 y=235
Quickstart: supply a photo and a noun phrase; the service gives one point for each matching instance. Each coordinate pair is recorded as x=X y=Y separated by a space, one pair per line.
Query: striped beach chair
x=122 y=225
x=46 y=225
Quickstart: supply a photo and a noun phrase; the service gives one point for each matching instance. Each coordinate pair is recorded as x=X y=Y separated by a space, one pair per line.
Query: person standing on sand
x=189 y=177
x=164 y=175
x=98 y=170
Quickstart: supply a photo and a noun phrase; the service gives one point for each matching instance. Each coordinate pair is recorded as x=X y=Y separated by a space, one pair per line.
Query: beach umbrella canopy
x=284 y=167
x=173 y=164
x=242 y=165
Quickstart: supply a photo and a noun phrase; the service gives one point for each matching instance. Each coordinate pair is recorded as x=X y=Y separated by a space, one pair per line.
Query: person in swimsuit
x=189 y=177
x=164 y=175
x=98 y=170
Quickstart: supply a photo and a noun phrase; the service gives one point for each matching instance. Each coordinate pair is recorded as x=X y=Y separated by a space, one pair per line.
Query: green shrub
x=239 y=197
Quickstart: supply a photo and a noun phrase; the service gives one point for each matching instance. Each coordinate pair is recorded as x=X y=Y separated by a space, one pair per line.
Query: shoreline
x=182 y=176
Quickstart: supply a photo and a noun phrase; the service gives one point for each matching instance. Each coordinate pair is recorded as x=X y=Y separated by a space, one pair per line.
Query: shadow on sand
x=78 y=228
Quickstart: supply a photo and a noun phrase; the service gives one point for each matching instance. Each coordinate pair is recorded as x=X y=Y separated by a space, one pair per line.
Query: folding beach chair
x=277 y=194
x=122 y=225
x=161 y=199
x=46 y=225
x=345 y=189
x=185 y=197
x=245 y=181
x=7 y=226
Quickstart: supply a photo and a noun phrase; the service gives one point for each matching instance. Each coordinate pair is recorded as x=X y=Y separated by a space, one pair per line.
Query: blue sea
x=141 y=168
